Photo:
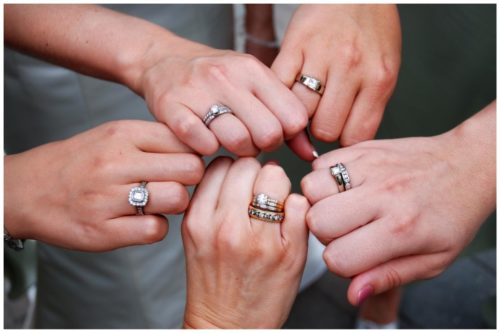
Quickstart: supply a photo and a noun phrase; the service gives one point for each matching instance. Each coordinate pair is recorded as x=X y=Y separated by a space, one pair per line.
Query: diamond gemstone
x=138 y=196
x=262 y=199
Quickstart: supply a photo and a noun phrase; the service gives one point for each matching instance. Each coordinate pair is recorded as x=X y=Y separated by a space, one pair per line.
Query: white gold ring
x=311 y=82
x=138 y=197
x=215 y=111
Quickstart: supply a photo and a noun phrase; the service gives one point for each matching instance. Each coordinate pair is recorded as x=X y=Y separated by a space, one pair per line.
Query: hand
x=180 y=88
x=354 y=50
x=242 y=272
x=73 y=193
x=179 y=79
x=414 y=205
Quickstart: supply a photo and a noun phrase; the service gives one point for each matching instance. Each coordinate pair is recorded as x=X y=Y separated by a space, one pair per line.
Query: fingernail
x=364 y=293
x=272 y=162
x=315 y=153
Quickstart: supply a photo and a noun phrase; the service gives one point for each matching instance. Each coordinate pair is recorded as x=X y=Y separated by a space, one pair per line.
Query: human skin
x=259 y=24
x=355 y=51
x=73 y=193
x=242 y=272
x=178 y=78
x=415 y=204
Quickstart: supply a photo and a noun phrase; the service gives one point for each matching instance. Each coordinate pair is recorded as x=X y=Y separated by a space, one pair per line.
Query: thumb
x=301 y=145
x=393 y=274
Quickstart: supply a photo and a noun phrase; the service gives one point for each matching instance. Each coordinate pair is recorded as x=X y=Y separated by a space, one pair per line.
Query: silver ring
x=138 y=197
x=215 y=111
x=311 y=82
x=262 y=201
x=341 y=176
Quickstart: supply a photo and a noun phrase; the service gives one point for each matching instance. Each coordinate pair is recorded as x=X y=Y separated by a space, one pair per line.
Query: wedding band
x=138 y=197
x=215 y=111
x=311 y=82
x=262 y=201
x=266 y=216
x=341 y=176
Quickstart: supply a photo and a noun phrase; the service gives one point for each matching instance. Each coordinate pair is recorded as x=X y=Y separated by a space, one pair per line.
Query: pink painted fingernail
x=364 y=293
x=272 y=162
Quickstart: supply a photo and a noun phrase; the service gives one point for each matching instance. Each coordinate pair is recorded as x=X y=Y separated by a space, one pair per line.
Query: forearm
x=90 y=39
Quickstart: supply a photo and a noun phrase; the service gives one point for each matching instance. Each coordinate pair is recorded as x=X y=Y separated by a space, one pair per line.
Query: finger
x=236 y=193
x=393 y=274
x=289 y=110
x=301 y=145
x=184 y=168
x=334 y=107
x=266 y=130
x=132 y=230
x=320 y=183
x=364 y=118
x=163 y=198
x=287 y=65
x=190 y=129
x=154 y=137
x=374 y=244
x=294 y=228
x=200 y=217
x=338 y=156
x=233 y=135
x=337 y=215
x=309 y=98
x=273 y=182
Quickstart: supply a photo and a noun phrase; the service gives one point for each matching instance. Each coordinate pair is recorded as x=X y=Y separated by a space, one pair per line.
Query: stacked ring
x=266 y=209
x=341 y=176
x=215 y=111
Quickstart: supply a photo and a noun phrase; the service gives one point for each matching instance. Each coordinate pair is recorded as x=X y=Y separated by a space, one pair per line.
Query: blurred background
x=448 y=73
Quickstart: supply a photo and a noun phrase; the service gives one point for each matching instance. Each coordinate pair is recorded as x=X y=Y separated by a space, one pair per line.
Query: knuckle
x=297 y=124
x=335 y=263
x=154 y=230
x=350 y=54
x=271 y=139
x=383 y=78
x=403 y=224
x=392 y=278
x=179 y=199
x=238 y=142
x=325 y=133
x=307 y=185
x=185 y=126
x=195 y=168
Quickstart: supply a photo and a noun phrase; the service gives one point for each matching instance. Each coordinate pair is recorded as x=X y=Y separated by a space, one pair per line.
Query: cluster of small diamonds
x=138 y=196
x=265 y=216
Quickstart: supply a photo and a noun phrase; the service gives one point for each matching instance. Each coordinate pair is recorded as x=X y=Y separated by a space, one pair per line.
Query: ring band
x=311 y=82
x=267 y=216
x=262 y=201
x=215 y=111
x=341 y=176
x=138 y=197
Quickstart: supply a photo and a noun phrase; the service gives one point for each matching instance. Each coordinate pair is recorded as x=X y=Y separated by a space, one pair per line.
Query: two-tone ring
x=266 y=209
x=341 y=176
x=138 y=197
x=311 y=82
x=215 y=111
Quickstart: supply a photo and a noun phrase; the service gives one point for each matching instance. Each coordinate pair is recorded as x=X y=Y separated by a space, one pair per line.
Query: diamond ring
x=138 y=197
x=341 y=176
x=262 y=201
x=215 y=111
x=311 y=82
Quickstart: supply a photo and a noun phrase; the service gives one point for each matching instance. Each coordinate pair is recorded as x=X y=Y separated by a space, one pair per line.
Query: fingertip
x=302 y=147
x=154 y=228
